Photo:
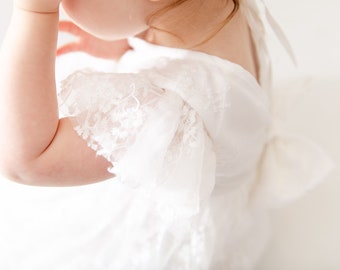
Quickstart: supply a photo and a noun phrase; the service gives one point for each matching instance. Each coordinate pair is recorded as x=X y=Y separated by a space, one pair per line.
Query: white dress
x=199 y=160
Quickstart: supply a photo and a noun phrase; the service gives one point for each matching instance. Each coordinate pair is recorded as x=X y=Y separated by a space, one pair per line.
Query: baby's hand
x=38 y=6
x=90 y=44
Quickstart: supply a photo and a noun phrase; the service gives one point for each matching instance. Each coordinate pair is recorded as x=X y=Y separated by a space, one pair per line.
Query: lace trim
x=108 y=116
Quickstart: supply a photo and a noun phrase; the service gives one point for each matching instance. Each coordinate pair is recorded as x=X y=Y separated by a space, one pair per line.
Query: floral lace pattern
x=186 y=136
x=146 y=132
x=107 y=120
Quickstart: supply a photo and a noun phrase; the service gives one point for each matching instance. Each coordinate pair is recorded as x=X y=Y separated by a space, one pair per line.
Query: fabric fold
x=291 y=165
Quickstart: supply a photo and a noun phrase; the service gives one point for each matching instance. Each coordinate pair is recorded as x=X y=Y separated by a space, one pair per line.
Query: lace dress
x=199 y=160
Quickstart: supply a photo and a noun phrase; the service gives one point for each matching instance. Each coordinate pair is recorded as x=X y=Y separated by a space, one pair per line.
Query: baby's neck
x=233 y=42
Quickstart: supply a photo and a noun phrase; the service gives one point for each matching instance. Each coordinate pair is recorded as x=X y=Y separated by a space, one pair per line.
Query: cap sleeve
x=152 y=138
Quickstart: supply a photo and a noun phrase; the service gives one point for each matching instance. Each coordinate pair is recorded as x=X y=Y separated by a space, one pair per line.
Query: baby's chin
x=97 y=28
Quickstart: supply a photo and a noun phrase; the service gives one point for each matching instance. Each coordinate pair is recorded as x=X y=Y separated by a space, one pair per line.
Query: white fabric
x=196 y=140
x=199 y=157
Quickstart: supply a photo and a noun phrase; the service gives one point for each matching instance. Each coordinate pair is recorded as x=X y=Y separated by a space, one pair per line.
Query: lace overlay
x=191 y=85
x=107 y=120
x=154 y=140
x=186 y=135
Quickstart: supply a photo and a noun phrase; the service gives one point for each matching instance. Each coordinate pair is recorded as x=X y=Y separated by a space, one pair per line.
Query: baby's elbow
x=16 y=173
x=10 y=174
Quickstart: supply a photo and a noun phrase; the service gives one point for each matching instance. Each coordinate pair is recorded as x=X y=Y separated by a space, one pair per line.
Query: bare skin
x=38 y=148
x=91 y=45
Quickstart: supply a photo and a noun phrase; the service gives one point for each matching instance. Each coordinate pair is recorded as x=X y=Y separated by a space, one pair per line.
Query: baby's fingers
x=70 y=27
x=68 y=48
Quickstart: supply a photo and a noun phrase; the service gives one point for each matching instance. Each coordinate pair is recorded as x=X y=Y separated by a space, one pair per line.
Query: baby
x=182 y=128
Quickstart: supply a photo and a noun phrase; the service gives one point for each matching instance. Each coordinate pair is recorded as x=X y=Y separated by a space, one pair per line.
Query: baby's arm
x=36 y=147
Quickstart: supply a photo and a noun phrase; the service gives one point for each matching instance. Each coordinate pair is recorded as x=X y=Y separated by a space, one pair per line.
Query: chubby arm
x=36 y=147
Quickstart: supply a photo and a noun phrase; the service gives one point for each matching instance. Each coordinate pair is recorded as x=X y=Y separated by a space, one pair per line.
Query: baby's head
x=116 y=19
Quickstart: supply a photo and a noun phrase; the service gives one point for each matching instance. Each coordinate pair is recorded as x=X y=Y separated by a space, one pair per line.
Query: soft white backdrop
x=306 y=234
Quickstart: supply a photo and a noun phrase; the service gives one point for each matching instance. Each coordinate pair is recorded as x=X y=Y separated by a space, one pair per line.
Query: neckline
x=140 y=45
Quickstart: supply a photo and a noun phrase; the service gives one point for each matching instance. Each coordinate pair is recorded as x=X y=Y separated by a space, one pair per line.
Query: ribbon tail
x=281 y=36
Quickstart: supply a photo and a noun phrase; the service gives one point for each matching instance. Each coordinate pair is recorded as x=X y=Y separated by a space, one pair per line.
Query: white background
x=306 y=234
